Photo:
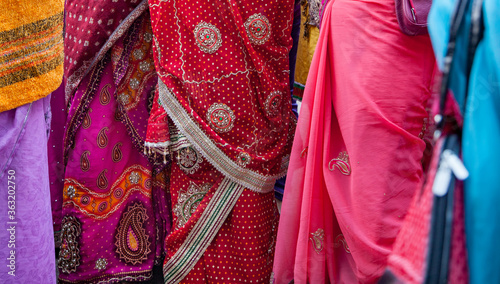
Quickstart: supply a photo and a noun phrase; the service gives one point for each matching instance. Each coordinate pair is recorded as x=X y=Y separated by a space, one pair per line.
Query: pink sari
x=356 y=157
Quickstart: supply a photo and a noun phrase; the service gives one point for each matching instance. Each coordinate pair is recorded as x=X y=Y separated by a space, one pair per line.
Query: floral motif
x=189 y=160
x=340 y=241
x=341 y=163
x=138 y=54
x=71 y=192
x=244 y=159
x=134 y=83
x=188 y=201
x=132 y=242
x=134 y=178
x=208 y=37
x=273 y=104
x=101 y=264
x=124 y=98
x=317 y=240
x=69 y=253
x=148 y=37
x=145 y=66
x=258 y=29
x=220 y=117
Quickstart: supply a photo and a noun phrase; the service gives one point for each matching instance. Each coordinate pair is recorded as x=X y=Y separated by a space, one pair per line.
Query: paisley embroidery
x=69 y=254
x=87 y=121
x=132 y=242
x=273 y=104
x=104 y=96
x=220 y=117
x=340 y=241
x=189 y=160
x=258 y=29
x=208 y=37
x=317 y=240
x=102 y=139
x=117 y=153
x=244 y=159
x=341 y=163
x=102 y=181
x=101 y=264
x=84 y=161
x=188 y=201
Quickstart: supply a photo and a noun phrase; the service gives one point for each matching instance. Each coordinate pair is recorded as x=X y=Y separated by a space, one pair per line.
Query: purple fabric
x=23 y=163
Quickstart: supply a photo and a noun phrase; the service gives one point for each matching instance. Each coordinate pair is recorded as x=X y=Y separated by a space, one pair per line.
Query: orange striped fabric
x=31 y=50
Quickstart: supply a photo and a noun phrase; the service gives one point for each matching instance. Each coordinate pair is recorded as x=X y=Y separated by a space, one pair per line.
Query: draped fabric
x=222 y=112
x=480 y=104
x=356 y=157
x=115 y=211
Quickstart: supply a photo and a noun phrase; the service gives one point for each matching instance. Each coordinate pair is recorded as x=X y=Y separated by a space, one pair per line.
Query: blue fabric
x=481 y=134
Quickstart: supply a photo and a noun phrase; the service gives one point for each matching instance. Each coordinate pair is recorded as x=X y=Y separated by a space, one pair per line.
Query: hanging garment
x=356 y=158
x=114 y=213
x=223 y=113
x=480 y=103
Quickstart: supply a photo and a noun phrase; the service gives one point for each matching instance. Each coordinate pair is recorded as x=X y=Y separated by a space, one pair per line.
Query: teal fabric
x=481 y=134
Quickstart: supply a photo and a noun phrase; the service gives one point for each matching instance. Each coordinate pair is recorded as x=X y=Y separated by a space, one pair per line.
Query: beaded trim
x=258 y=29
x=215 y=156
x=207 y=37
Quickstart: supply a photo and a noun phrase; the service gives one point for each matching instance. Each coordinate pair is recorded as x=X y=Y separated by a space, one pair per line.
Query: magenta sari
x=114 y=212
x=356 y=157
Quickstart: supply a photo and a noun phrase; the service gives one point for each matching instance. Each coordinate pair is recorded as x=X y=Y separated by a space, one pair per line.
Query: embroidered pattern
x=208 y=37
x=102 y=181
x=90 y=202
x=138 y=54
x=71 y=192
x=258 y=29
x=101 y=264
x=189 y=160
x=244 y=159
x=341 y=163
x=102 y=139
x=220 y=117
x=117 y=153
x=132 y=242
x=134 y=178
x=273 y=104
x=104 y=96
x=188 y=201
x=69 y=254
x=317 y=240
x=340 y=241
x=84 y=161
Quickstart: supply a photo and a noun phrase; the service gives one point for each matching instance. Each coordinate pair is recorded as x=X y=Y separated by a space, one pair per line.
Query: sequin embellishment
x=132 y=242
x=273 y=103
x=340 y=241
x=101 y=264
x=220 y=117
x=244 y=159
x=208 y=37
x=258 y=29
x=317 y=240
x=189 y=160
x=341 y=163
x=188 y=201
x=69 y=253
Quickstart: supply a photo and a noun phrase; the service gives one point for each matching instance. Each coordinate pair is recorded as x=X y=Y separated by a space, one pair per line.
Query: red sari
x=224 y=115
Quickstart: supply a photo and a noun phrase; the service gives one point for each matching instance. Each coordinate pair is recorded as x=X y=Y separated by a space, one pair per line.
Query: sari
x=223 y=114
x=356 y=157
x=113 y=212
